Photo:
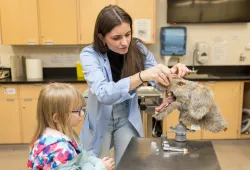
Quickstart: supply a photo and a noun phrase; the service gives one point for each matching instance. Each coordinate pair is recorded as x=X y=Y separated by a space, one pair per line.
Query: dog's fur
x=196 y=105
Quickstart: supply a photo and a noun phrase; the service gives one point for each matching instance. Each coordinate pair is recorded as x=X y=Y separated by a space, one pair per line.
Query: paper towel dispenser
x=173 y=41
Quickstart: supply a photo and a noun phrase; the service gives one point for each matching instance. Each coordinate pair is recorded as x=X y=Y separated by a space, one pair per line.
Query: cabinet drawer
x=80 y=87
x=8 y=91
x=30 y=91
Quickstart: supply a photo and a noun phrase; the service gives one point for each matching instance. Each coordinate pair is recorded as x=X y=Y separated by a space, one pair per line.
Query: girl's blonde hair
x=59 y=98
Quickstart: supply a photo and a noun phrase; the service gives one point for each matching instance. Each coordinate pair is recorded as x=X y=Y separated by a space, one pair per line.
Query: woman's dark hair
x=107 y=19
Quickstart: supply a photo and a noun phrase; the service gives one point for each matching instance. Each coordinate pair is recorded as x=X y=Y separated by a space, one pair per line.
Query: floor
x=231 y=155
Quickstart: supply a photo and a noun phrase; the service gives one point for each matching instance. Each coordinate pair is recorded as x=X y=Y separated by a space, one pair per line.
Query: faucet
x=195 y=53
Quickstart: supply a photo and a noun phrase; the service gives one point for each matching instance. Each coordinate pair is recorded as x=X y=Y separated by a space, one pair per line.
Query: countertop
x=199 y=77
x=140 y=155
x=232 y=154
x=205 y=73
x=24 y=80
x=218 y=77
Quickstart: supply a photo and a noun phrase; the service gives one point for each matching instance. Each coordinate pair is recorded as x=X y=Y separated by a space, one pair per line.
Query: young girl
x=55 y=145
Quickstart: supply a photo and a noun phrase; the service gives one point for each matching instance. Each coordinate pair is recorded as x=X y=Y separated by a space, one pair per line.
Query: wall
x=228 y=39
x=51 y=56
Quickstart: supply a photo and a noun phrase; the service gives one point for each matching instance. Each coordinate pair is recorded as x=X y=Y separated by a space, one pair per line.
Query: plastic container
x=79 y=71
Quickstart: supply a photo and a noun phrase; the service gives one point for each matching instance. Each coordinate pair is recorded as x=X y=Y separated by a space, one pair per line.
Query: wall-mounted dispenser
x=203 y=52
x=173 y=42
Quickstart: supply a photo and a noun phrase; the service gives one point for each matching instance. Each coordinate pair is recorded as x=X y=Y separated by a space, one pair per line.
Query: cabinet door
x=228 y=98
x=29 y=94
x=89 y=11
x=10 y=121
x=58 y=21
x=19 y=22
x=171 y=121
x=140 y=10
x=29 y=122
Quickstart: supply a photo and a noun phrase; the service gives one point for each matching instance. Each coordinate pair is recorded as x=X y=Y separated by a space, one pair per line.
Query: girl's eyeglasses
x=80 y=111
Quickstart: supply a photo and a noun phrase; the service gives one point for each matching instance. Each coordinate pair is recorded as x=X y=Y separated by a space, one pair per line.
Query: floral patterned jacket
x=52 y=149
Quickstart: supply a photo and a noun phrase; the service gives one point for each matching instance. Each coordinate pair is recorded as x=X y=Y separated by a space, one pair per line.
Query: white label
x=219 y=51
x=142 y=29
x=9 y=91
x=195 y=127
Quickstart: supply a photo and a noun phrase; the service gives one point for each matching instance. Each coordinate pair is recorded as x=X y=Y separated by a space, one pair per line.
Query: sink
x=195 y=76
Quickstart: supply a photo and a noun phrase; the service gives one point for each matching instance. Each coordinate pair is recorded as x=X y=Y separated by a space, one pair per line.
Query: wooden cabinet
x=28 y=103
x=228 y=96
x=10 y=131
x=58 y=21
x=19 y=22
x=89 y=11
x=141 y=9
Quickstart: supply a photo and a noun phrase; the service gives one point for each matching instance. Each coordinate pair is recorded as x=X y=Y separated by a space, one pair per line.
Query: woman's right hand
x=109 y=163
x=159 y=73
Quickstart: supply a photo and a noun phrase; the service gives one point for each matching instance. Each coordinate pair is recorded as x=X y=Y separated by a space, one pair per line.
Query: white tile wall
x=235 y=36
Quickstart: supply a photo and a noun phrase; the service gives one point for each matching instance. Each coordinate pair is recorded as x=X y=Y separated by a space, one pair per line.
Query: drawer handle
x=10 y=100
x=27 y=100
x=49 y=42
x=31 y=42
x=37 y=84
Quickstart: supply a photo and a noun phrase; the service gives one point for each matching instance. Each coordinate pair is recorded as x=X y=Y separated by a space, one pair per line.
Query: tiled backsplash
x=51 y=56
x=230 y=40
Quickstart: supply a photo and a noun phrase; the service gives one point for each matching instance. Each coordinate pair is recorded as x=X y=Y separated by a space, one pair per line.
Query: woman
x=114 y=66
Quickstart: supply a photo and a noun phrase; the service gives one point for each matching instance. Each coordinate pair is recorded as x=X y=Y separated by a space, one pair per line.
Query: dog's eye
x=181 y=83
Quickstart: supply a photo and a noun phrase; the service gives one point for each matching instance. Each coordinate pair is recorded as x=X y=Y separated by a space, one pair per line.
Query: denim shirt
x=104 y=93
x=120 y=110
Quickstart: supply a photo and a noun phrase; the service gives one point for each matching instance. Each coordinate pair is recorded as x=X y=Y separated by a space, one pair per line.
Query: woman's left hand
x=180 y=69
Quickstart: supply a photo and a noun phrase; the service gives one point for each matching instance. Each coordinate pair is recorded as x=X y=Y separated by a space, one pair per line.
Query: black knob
x=143 y=107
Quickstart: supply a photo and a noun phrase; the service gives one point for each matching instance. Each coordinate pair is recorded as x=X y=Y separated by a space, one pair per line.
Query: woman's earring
x=104 y=43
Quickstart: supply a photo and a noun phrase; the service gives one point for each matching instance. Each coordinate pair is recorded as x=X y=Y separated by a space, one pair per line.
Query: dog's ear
x=200 y=101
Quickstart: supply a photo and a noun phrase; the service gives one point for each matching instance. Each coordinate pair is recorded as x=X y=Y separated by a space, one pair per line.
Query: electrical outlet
x=242 y=57
x=247 y=47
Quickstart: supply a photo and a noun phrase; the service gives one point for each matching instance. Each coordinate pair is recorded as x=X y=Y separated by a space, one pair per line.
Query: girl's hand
x=159 y=73
x=109 y=163
x=180 y=69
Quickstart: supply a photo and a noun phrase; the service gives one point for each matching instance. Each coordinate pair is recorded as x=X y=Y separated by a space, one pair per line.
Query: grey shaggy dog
x=195 y=103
